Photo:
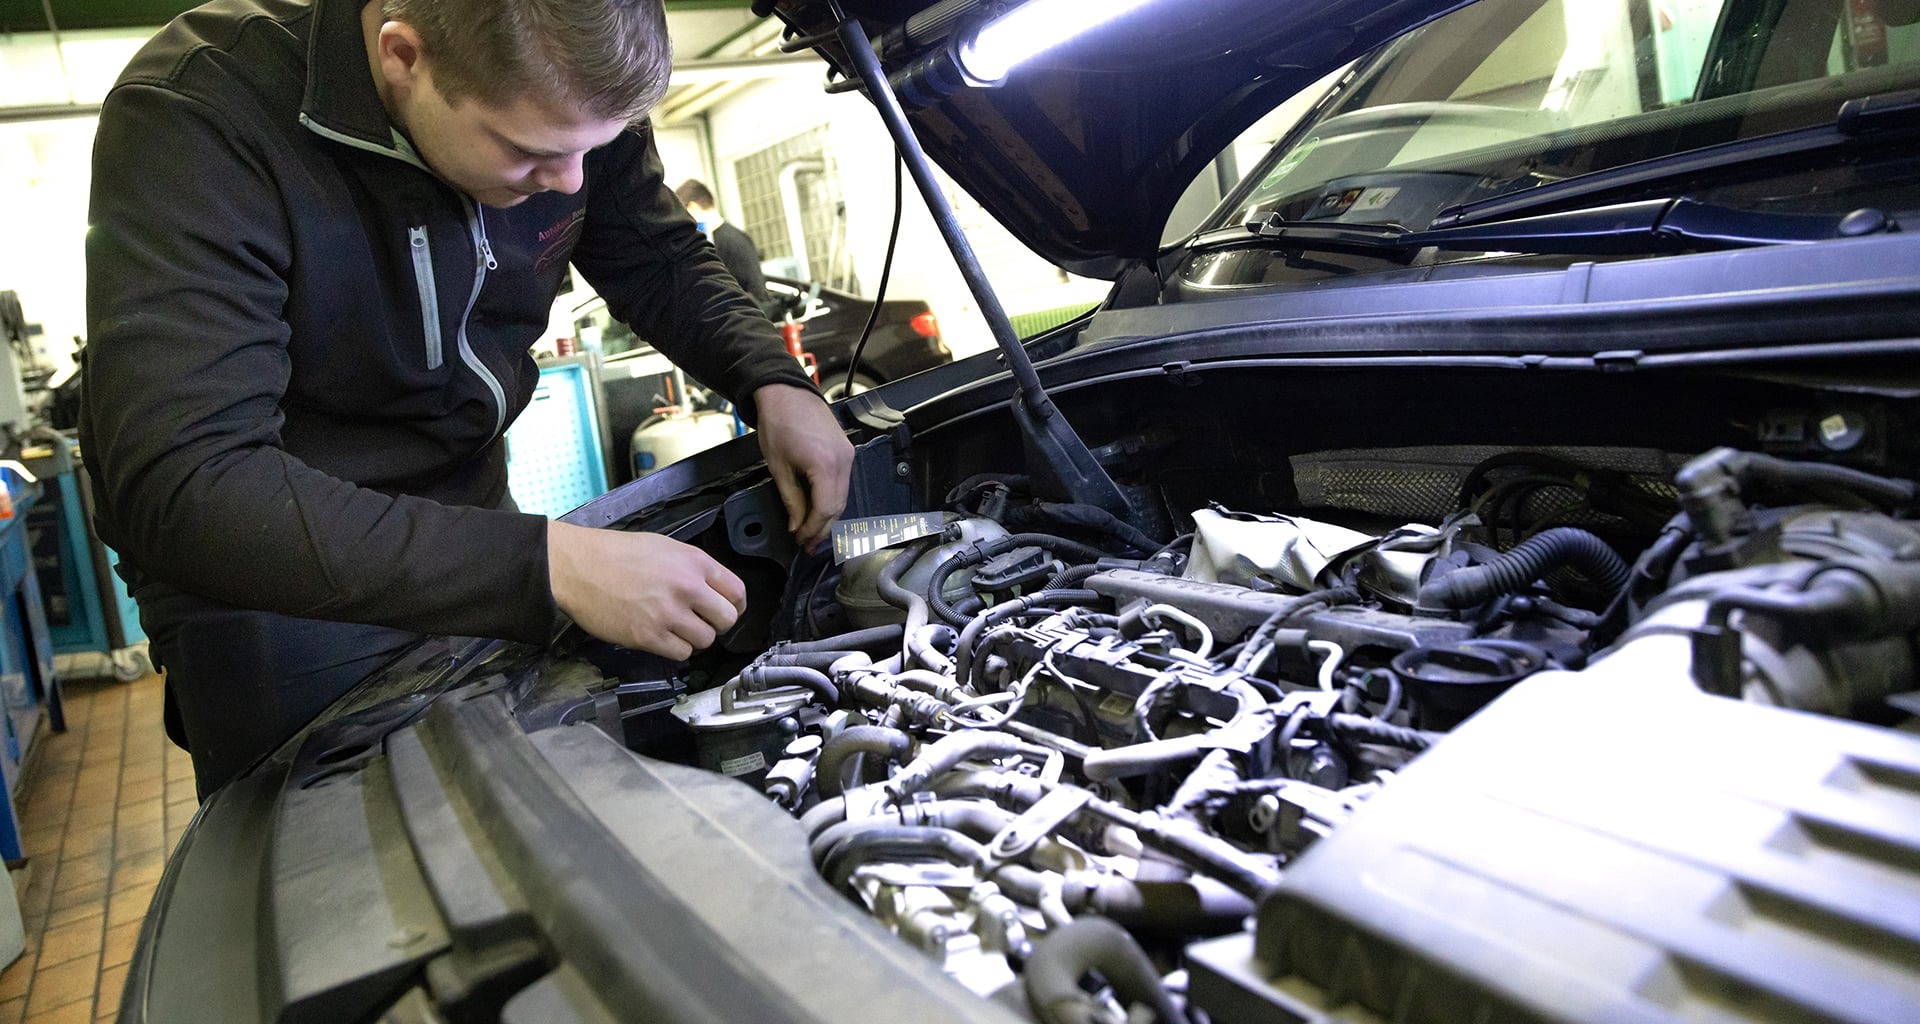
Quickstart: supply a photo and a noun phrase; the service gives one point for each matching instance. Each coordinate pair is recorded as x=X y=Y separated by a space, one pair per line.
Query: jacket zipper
x=483 y=262
x=429 y=292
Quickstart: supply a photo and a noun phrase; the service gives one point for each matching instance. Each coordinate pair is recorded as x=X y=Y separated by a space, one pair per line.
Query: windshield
x=1508 y=95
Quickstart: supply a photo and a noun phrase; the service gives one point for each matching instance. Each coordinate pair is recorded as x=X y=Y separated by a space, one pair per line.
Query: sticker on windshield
x=1375 y=199
x=1333 y=204
x=1289 y=162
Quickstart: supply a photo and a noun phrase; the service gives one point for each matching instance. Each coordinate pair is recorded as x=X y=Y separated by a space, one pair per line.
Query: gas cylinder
x=664 y=440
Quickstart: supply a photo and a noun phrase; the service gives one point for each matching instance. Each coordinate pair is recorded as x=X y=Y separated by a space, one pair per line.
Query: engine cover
x=1607 y=845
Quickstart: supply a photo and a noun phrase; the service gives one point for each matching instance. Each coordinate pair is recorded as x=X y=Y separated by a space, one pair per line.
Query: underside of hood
x=1083 y=151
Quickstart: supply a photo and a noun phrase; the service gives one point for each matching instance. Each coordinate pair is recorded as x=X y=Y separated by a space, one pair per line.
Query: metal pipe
x=789 y=186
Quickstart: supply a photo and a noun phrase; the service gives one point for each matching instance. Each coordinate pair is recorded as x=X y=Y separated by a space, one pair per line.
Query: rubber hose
x=1065 y=956
x=760 y=677
x=1564 y=546
x=819 y=661
x=939 y=757
x=981 y=552
x=1072 y=576
x=889 y=583
x=824 y=815
x=1372 y=730
x=1013 y=792
x=1881 y=490
x=830 y=771
x=924 y=646
x=890 y=841
x=970 y=818
x=874 y=638
x=1197 y=906
x=1090 y=517
x=1012 y=481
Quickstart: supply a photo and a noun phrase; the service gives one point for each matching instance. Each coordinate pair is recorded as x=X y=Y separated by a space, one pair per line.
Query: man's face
x=501 y=155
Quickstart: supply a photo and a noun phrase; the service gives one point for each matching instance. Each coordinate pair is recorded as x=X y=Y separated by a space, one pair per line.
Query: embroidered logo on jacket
x=559 y=239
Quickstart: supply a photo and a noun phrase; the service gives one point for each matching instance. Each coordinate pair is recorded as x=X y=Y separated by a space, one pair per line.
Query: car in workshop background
x=639 y=383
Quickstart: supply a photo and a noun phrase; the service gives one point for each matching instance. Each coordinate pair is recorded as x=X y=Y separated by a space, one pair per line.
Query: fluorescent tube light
x=1033 y=28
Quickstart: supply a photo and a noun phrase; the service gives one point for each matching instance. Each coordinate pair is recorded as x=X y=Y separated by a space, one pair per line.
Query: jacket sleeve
x=661 y=276
x=185 y=371
x=742 y=260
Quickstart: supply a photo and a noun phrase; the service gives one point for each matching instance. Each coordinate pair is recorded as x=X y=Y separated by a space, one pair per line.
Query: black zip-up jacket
x=304 y=347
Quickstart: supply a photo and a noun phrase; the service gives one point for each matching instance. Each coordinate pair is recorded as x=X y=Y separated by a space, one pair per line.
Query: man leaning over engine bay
x=323 y=235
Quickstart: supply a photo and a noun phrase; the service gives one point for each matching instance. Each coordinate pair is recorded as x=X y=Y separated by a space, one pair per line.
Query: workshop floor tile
x=100 y=807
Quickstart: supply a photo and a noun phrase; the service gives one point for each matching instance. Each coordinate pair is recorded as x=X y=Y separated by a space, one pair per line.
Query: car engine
x=1057 y=751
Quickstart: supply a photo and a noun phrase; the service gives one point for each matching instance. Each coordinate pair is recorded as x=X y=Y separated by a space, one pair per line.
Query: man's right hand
x=642 y=589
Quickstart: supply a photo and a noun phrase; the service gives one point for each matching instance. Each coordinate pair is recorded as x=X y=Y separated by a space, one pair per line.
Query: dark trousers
x=241 y=683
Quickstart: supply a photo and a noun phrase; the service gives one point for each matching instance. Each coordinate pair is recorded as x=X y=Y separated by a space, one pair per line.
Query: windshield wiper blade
x=1652 y=225
x=1877 y=120
x=1622 y=229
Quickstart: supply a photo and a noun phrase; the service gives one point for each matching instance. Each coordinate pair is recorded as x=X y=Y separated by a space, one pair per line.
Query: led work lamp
x=984 y=55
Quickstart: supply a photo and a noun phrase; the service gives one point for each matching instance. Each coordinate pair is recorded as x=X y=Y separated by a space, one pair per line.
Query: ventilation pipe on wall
x=790 y=209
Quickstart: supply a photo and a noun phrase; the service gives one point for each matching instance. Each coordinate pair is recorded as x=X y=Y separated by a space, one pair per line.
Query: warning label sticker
x=743 y=764
x=855 y=537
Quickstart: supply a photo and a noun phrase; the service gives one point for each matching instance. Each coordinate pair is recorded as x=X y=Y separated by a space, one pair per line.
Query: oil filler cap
x=1452 y=681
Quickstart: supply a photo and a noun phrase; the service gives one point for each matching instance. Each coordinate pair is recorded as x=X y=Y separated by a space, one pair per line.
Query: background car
x=639 y=382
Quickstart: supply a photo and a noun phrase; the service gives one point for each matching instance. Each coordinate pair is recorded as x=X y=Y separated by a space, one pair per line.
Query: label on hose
x=855 y=537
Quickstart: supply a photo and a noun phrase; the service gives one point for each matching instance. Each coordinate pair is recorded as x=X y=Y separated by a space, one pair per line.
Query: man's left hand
x=809 y=457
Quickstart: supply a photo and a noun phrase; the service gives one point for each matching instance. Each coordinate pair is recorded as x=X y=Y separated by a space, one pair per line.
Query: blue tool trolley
x=26 y=658
x=87 y=606
x=557 y=449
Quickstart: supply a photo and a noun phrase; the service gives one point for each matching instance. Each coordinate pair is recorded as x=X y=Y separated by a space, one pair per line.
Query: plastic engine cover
x=1605 y=846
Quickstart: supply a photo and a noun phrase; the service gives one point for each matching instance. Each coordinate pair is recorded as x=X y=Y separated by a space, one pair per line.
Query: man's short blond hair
x=611 y=57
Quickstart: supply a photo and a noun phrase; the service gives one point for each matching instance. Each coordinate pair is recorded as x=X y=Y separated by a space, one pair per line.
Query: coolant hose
x=889 y=582
x=819 y=661
x=897 y=841
x=924 y=646
x=1068 y=953
x=824 y=815
x=846 y=749
x=1564 y=546
x=874 y=638
x=1700 y=475
x=940 y=757
x=1196 y=906
x=761 y=677
x=971 y=818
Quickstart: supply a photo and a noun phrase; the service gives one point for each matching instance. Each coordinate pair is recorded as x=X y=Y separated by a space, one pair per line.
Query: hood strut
x=1057 y=455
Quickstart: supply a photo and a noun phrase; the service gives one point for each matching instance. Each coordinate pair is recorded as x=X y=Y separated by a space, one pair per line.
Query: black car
x=904 y=341
x=1472 y=576
x=638 y=382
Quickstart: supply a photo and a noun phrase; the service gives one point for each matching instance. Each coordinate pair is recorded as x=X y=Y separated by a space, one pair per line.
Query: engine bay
x=1057 y=750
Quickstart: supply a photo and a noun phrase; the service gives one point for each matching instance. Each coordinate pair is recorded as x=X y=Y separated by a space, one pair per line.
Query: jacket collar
x=341 y=101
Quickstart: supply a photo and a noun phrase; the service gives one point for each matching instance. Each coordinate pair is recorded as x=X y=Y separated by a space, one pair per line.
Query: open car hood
x=1083 y=151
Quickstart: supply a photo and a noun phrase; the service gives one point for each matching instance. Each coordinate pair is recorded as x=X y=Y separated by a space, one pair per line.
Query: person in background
x=736 y=250
x=323 y=235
